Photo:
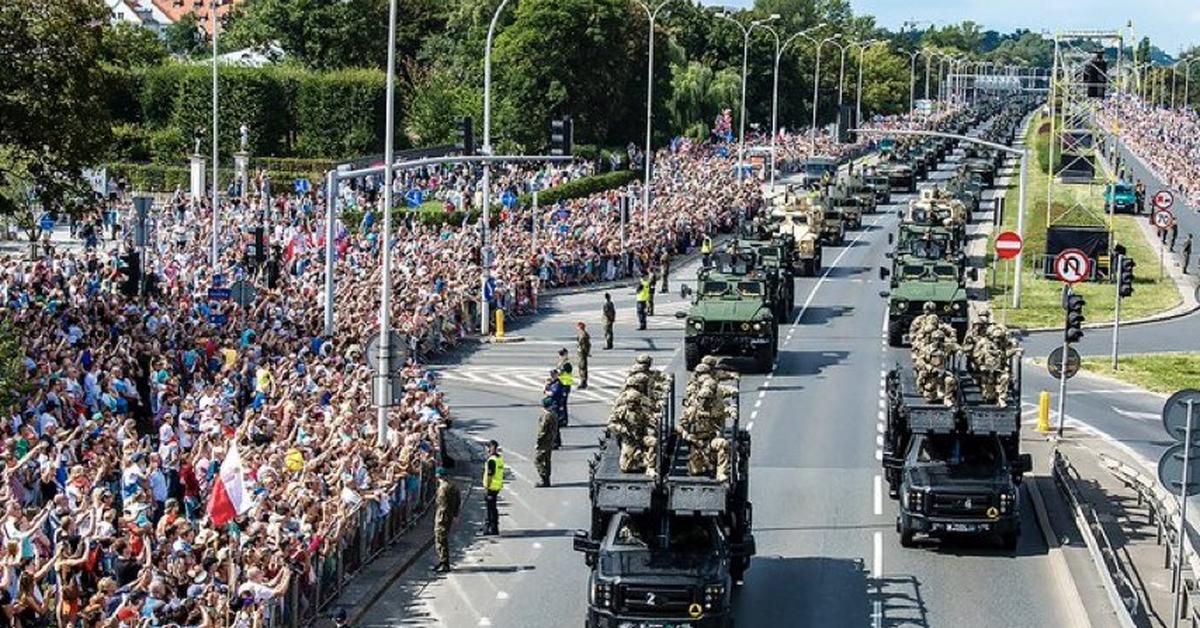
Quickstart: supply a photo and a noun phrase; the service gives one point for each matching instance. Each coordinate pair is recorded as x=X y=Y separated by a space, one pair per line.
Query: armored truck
x=819 y=169
x=955 y=469
x=915 y=281
x=881 y=185
x=731 y=314
x=803 y=225
x=666 y=548
x=900 y=174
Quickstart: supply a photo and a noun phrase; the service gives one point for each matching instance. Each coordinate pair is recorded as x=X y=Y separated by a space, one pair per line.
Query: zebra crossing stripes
x=603 y=384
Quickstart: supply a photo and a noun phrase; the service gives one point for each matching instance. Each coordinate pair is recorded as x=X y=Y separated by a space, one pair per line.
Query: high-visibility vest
x=643 y=294
x=497 y=479
x=706 y=246
x=566 y=379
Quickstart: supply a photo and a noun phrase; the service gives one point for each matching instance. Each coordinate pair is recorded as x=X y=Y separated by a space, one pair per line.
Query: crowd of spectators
x=133 y=402
x=1167 y=139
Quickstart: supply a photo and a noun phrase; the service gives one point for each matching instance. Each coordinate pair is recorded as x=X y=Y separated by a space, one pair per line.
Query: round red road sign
x=1163 y=218
x=1072 y=266
x=1008 y=245
x=1163 y=199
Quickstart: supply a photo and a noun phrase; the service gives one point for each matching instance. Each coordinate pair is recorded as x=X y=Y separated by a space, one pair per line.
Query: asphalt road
x=828 y=554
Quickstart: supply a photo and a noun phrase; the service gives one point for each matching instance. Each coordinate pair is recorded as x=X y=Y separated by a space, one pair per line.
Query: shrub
x=581 y=187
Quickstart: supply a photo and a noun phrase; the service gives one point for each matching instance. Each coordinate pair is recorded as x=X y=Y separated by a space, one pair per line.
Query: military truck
x=833 y=223
x=899 y=172
x=803 y=224
x=770 y=260
x=857 y=187
x=955 y=469
x=667 y=548
x=731 y=314
x=849 y=206
x=915 y=281
x=881 y=185
x=934 y=207
x=818 y=169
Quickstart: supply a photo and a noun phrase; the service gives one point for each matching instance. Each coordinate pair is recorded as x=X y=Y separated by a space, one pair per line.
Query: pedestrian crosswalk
x=626 y=318
x=603 y=383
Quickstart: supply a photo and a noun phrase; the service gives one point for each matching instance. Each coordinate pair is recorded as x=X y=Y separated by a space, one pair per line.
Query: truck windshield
x=713 y=288
x=963 y=455
x=749 y=288
x=692 y=547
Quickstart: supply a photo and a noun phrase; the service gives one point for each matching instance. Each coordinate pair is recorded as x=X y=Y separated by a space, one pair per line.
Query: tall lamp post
x=384 y=374
x=812 y=133
x=746 y=31
x=486 y=257
x=651 y=15
x=216 y=210
x=912 y=80
x=780 y=48
x=862 y=51
x=1187 y=80
x=837 y=118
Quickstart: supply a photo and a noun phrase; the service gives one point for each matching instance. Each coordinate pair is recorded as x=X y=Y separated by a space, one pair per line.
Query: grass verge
x=1041 y=299
x=1159 y=372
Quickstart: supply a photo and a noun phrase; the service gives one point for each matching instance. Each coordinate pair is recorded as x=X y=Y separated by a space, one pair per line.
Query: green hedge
x=581 y=187
x=291 y=112
x=159 y=178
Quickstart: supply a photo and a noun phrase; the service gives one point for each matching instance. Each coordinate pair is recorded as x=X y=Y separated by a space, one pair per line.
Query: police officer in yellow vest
x=706 y=249
x=645 y=287
x=493 y=481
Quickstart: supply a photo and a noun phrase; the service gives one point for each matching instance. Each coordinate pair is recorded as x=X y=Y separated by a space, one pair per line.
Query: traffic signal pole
x=1116 y=328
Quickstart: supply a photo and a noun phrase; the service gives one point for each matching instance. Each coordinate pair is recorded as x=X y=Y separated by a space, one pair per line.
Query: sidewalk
x=1114 y=512
x=365 y=587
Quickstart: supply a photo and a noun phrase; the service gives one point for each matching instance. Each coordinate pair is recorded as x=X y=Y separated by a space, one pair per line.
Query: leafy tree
x=51 y=100
x=698 y=94
x=125 y=45
x=324 y=34
x=438 y=102
x=185 y=37
x=564 y=57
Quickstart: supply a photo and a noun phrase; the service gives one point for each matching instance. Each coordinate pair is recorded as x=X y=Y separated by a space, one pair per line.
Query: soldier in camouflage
x=924 y=325
x=630 y=424
x=702 y=426
x=547 y=436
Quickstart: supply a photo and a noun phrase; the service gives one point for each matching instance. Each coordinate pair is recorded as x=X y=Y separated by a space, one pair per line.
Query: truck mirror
x=1024 y=464
x=891 y=238
x=885 y=294
x=884 y=273
x=900 y=212
x=681 y=314
x=584 y=543
x=974 y=274
x=889 y=255
x=685 y=291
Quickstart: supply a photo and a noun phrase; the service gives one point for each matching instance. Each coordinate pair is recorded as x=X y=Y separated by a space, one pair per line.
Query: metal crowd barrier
x=370 y=530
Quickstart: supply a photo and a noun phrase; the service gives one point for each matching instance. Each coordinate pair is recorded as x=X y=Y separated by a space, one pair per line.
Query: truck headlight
x=758 y=327
x=900 y=305
x=697 y=325
x=956 y=306
x=714 y=596
x=1008 y=500
x=602 y=594
x=914 y=500
x=948 y=307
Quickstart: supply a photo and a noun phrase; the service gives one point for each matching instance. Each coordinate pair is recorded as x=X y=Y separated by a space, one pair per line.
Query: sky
x=1170 y=24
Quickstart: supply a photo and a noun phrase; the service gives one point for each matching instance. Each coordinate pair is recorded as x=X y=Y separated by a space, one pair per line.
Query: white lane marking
x=879 y=440
x=882 y=404
x=484 y=621
x=750 y=426
x=879 y=454
x=879 y=427
x=825 y=275
x=882 y=416
x=537 y=545
x=762 y=393
x=501 y=595
x=878 y=495
x=757 y=404
x=877 y=565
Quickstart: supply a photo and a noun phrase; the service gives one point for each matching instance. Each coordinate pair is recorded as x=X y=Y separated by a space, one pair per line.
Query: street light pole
x=912 y=82
x=746 y=31
x=862 y=51
x=216 y=209
x=812 y=133
x=486 y=254
x=384 y=374
x=928 y=64
x=651 y=15
x=780 y=48
x=837 y=118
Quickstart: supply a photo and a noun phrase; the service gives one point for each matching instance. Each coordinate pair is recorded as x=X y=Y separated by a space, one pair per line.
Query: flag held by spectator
x=228 y=498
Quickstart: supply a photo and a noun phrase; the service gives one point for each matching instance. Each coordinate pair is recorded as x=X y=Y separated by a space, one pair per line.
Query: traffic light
x=561 y=132
x=466 y=137
x=1125 y=278
x=131 y=267
x=1074 y=327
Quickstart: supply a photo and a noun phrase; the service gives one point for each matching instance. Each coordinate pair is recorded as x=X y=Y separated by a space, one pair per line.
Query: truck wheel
x=906 y=536
x=1009 y=541
x=691 y=355
x=895 y=335
x=762 y=360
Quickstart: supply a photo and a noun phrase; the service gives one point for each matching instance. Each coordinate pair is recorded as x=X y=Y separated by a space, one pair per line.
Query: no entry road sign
x=1008 y=245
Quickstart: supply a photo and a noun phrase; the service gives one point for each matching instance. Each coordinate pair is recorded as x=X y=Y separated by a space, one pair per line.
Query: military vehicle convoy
x=671 y=518
x=801 y=224
x=916 y=281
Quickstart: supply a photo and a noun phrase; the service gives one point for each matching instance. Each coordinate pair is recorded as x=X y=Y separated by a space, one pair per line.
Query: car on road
x=1122 y=197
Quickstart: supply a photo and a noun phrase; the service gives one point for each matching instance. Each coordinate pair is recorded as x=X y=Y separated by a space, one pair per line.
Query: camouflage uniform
x=630 y=423
x=924 y=325
x=447 y=504
x=547 y=436
x=992 y=357
x=702 y=426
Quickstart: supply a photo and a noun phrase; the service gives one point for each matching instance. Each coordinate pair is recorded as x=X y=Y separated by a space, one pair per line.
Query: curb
x=1157 y=318
x=1068 y=590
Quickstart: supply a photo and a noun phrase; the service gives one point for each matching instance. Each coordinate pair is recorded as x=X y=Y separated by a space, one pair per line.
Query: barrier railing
x=318 y=579
x=1163 y=509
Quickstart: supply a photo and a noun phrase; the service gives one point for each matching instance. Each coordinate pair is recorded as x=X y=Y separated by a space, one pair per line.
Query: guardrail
x=318 y=579
x=1163 y=508
x=1122 y=595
